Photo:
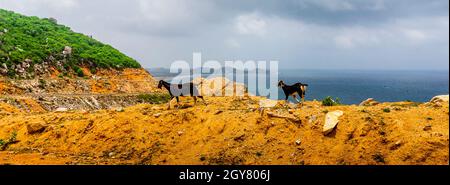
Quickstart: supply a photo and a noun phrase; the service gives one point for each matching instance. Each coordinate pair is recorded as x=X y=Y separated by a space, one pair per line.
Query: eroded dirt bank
x=228 y=131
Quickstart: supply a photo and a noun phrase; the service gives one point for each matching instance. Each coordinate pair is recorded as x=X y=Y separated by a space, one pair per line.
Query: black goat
x=177 y=90
x=294 y=90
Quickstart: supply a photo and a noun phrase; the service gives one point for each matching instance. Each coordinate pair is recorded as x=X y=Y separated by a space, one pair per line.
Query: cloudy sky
x=301 y=34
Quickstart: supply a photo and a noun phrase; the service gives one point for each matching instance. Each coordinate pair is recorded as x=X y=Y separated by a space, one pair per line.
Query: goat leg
x=295 y=97
x=201 y=97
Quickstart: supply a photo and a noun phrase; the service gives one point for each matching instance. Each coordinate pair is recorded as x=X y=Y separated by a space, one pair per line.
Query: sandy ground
x=230 y=131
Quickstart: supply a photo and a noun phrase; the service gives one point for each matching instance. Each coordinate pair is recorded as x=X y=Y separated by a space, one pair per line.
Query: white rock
x=111 y=154
x=157 y=115
x=331 y=120
x=180 y=133
x=440 y=98
x=61 y=109
x=67 y=50
x=120 y=109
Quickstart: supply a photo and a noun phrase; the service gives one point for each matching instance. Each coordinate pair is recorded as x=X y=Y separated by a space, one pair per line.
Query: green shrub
x=12 y=139
x=329 y=101
x=387 y=110
x=78 y=71
x=93 y=70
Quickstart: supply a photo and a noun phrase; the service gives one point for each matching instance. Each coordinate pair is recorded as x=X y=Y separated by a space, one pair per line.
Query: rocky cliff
x=45 y=64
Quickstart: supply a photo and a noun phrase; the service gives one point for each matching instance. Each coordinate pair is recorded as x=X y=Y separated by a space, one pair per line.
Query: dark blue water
x=352 y=86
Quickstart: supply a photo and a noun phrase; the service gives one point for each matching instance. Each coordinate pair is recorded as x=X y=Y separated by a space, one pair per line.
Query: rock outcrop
x=439 y=100
x=220 y=86
x=369 y=102
x=331 y=121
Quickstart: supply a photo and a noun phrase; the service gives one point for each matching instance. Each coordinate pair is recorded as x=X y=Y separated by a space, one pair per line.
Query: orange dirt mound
x=232 y=131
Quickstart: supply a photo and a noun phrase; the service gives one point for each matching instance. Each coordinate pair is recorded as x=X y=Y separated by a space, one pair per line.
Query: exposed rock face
x=220 y=86
x=105 y=81
x=331 y=120
x=64 y=103
x=369 y=102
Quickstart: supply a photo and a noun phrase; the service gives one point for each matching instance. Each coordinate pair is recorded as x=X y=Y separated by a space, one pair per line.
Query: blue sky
x=300 y=34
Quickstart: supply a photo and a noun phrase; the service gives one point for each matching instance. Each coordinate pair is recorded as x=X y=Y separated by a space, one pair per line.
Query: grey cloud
x=400 y=34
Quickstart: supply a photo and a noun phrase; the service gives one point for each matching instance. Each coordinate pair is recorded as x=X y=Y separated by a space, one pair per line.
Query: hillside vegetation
x=37 y=40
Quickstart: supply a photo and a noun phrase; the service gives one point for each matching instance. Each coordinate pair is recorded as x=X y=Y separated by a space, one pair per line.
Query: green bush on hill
x=23 y=37
x=329 y=101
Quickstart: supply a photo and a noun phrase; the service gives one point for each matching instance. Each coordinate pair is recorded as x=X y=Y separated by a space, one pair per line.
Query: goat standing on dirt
x=177 y=90
x=294 y=90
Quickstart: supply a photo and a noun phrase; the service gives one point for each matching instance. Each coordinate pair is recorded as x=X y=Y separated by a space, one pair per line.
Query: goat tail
x=303 y=87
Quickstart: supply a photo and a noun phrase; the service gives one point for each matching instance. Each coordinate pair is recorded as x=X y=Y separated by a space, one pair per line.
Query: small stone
x=291 y=111
x=34 y=128
x=157 y=115
x=298 y=142
x=427 y=127
x=180 y=133
x=111 y=154
x=396 y=145
x=218 y=112
x=120 y=109
x=157 y=108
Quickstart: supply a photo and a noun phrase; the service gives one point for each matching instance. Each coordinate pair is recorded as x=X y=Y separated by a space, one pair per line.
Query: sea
x=354 y=86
